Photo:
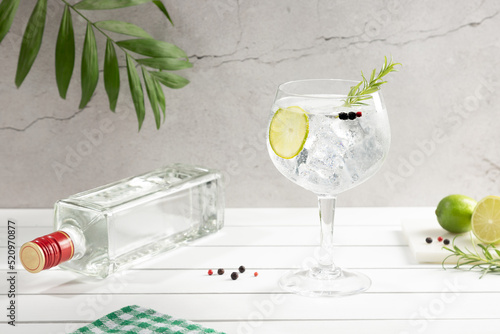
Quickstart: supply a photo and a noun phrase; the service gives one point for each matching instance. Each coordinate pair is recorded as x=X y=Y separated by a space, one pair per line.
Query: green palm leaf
x=170 y=80
x=107 y=4
x=136 y=91
x=32 y=39
x=161 y=6
x=111 y=75
x=161 y=96
x=124 y=28
x=90 y=67
x=153 y=48
x=153 y=100
x=168 y=64
x=8 y=9
x=65 y=53
x=159 y=55
x=115 y=4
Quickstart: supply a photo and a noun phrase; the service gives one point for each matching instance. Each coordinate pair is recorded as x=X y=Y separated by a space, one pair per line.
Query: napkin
x=135 y=319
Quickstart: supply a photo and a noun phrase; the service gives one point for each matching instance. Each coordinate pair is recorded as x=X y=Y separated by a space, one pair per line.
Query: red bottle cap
x=46 y=252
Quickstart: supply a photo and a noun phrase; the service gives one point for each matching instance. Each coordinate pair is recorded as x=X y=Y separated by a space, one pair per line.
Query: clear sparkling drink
x=127 y=222
x=338 y=154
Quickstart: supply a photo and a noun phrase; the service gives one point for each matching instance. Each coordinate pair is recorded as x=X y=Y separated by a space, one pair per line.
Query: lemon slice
x=288 y=131
x=486 y=220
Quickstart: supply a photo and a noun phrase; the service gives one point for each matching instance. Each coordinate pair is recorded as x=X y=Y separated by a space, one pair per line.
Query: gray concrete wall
x=442 y=104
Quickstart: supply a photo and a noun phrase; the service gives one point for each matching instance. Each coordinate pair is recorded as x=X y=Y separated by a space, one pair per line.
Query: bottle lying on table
x=127 y=222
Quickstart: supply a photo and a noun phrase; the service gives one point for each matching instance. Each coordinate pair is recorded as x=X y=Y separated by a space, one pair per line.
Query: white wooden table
x=405 y=297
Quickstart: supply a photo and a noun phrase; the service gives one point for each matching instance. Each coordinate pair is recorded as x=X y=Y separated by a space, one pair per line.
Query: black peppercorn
x=446 y=241
x=428 y=240
x=343 y=115
x=241 y=269
x=352 y=115
x=234 y=275
x=220 y=271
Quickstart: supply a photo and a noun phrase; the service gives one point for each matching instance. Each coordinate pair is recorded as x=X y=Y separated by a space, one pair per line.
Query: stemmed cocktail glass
x=321 y=142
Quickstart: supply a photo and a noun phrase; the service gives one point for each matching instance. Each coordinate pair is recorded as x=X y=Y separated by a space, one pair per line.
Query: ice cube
x=361 y=157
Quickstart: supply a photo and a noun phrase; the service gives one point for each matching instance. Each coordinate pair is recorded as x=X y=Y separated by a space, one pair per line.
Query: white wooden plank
x=198 y=281
x=270 y=235
x=276 y=257
x=263 y=216
x=243 y=307
x=280 y=257
x=310 y=216
x=434 y=326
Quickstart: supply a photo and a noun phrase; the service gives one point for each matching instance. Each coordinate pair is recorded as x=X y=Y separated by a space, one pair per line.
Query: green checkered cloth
x=134 y=319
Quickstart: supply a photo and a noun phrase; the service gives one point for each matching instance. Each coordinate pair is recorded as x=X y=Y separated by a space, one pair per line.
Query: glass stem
x=326 y=215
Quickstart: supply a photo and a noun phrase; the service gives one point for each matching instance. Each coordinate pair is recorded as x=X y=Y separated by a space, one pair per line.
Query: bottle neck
x=47 y=251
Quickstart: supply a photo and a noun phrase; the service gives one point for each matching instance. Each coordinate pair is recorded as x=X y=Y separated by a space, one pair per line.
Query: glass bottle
x=121 y=224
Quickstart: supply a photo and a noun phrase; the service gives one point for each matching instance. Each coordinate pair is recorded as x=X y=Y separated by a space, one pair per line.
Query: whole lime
x=454 y=213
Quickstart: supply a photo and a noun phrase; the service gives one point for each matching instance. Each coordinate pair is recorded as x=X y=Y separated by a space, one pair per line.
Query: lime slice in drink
x=486 y=220
x=288 y=131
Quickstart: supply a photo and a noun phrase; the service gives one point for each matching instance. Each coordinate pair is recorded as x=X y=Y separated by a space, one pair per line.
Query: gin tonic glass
x=327 y=143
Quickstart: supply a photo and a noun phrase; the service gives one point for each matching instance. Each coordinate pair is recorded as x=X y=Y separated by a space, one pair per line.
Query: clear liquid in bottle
x=127 y=222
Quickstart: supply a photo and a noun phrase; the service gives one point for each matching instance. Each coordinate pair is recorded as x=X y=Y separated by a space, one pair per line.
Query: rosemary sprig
x=359 y=93
x=482 y=260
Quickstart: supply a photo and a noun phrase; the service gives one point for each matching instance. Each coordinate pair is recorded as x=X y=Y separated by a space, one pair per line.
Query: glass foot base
x=309 y=283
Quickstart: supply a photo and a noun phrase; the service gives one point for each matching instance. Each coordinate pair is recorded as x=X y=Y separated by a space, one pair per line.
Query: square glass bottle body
x=127 y=222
